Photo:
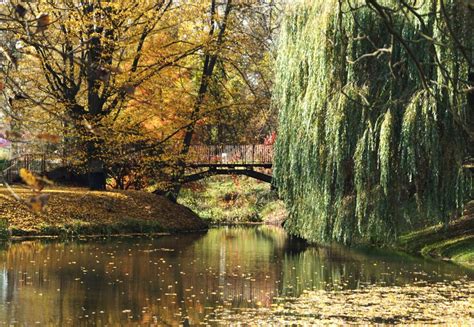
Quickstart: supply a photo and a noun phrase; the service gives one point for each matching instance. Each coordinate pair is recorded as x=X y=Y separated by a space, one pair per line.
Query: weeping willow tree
x=374 y=122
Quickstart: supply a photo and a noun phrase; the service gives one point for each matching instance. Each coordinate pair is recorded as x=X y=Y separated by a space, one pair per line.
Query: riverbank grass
x=234 y=200
x=78 y=211
x=453 y=242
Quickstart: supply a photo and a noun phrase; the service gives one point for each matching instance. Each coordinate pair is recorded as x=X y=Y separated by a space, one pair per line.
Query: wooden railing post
x=43 y=164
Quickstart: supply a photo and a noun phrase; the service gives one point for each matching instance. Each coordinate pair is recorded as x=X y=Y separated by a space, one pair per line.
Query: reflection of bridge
x=230 y=160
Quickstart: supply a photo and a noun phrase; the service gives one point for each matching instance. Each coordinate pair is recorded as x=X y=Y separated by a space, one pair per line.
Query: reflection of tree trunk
x=61 y=299
x=11 y=278
x=180 y=296
x=210 y=61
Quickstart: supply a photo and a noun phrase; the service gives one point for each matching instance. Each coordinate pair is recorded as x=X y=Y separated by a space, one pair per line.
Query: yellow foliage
x=28 y=177
x=34 y=182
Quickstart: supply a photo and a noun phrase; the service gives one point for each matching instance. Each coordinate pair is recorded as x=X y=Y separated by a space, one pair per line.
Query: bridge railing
x=258 y=154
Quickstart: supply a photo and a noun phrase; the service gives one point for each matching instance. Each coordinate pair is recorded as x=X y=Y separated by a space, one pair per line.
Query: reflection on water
x=180 y=279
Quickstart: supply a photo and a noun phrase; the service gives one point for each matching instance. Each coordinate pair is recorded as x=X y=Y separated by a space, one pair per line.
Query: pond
x=225 y=274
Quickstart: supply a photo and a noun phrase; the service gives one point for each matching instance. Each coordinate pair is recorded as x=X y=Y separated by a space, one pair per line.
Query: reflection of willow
x=338 y=267
x=236 y=267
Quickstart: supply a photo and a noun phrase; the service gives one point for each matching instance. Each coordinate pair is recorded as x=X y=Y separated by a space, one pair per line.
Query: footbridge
x=255 y=161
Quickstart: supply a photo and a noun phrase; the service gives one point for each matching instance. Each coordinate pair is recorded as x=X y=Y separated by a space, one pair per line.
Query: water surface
x=183 y=279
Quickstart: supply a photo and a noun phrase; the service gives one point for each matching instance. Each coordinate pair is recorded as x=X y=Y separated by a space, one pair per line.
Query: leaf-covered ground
x=447 y=304
x=80 y=211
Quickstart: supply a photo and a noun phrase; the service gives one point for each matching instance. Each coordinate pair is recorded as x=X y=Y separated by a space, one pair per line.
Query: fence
x=38 y=163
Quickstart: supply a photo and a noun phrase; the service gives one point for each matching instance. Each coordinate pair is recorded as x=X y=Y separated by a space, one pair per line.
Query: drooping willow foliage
x=372 y=136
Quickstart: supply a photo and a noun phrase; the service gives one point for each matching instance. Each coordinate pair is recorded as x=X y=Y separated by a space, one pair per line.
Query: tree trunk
x=96 y=175
x=96 y=54
x=470 y=118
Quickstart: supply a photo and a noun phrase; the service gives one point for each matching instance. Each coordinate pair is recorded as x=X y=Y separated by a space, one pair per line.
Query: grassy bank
x=233 y=200
x=454 y=242
x=77 y=211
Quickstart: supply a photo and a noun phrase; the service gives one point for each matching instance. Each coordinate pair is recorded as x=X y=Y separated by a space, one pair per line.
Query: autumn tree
x=233 y=77
x=81 y=62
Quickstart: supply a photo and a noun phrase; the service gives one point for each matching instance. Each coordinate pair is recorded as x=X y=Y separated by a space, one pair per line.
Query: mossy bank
x=78 y=211
x=453 y=242
x=231 y=200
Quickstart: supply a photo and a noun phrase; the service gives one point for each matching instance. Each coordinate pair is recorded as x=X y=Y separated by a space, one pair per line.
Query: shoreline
x=78 y=212
x=417 y=253
x=18 y=238
x=453 y=243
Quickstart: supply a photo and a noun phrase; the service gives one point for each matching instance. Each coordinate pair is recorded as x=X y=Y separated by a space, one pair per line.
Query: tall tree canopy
x=374 y=100
x=128 y=85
